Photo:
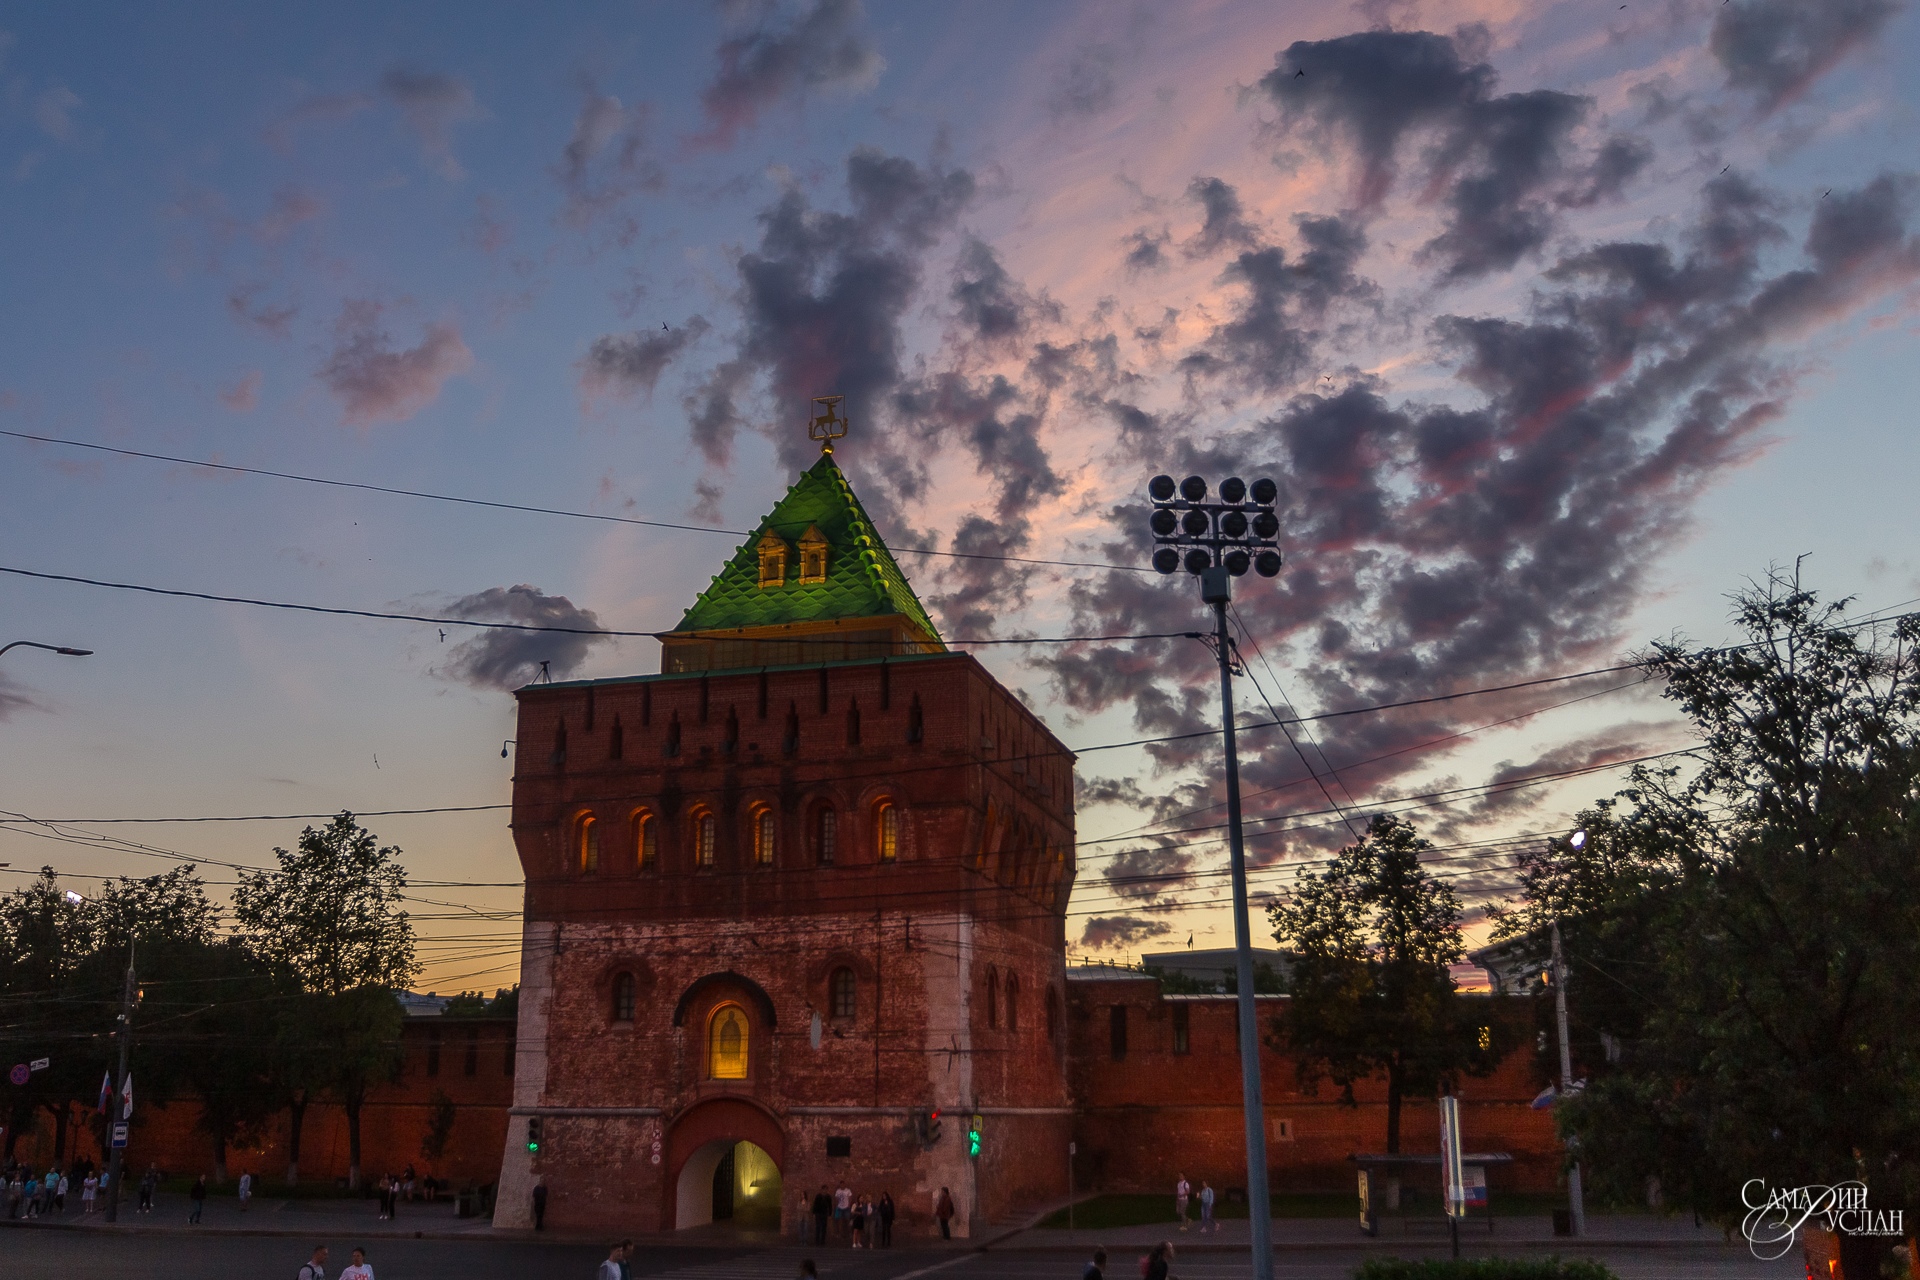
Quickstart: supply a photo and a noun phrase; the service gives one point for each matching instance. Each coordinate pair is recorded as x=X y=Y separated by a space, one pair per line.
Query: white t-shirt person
x=358 y=1270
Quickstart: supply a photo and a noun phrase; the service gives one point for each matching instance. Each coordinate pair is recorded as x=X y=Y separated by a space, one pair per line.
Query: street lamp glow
x=1578 y=840
x=74 y=898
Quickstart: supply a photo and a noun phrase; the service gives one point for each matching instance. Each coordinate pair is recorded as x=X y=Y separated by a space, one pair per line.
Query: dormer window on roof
x=813 y=555
x=773 y=559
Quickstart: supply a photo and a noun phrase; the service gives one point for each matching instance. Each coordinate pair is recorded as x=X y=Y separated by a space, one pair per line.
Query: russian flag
x=1544 y=1100
x=106 y=1091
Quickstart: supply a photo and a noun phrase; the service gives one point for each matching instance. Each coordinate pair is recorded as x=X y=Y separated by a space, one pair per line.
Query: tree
x=50 y=1006
x=440 y=1118
x=1373 y=937
x=331 y=916
x=1781 y=1035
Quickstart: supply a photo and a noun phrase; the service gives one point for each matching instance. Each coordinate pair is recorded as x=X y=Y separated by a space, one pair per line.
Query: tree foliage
x=1771 y=1025
x=1374 y=936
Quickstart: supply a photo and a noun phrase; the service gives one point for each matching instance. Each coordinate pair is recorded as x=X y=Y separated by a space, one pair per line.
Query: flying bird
x=1728 y=167
x=1301 y=72
x=663 y=324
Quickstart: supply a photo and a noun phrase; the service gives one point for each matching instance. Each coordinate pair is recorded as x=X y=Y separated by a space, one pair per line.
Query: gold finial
x=827 y=426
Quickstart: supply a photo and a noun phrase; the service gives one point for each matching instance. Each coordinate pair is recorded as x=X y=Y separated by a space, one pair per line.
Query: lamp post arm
x=64 y=650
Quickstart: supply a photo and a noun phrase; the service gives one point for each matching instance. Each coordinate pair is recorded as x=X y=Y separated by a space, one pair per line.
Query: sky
x=1554 y=323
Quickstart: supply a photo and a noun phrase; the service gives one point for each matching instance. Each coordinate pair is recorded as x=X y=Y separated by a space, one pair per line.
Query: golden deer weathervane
x=827 y=426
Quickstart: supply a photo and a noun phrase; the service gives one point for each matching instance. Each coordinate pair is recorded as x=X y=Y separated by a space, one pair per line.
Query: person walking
x=246 y=1189
x=857 y=1221
x=358 y=1269
x=198 y=1194
x=1207 y=1224
x=1182 y=1193
x=1097 y=1268
x=626 y=1260
x=822 y=1210
x=885 y=1210
x=148 y=1185
x=31 y=1195
x=88 y=1190
x=60 y=1196
x=539 y=1206
x=943 y=1210
x=609 y=1270
x=315 y=1267
x=1159 y=1261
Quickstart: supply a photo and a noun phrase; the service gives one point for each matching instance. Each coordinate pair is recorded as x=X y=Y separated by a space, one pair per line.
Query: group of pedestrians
x=30 y=1195
x=315 y=1267
x=619 y=1263
x=858 y=1219
x=1183 y=1197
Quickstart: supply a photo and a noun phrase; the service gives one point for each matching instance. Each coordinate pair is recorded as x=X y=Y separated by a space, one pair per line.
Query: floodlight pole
x=1216 y=588
x=117 y=1107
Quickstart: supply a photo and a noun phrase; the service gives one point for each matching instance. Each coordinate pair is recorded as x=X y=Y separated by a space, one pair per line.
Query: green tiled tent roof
x=862 y=579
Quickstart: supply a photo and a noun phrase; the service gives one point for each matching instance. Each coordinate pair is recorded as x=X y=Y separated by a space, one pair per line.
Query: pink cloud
x=244 y=395
x=376 y=383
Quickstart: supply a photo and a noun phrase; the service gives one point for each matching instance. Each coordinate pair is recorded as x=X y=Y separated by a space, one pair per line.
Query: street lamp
x=1576 y=1206
x=1218 y=542
x=61 y=649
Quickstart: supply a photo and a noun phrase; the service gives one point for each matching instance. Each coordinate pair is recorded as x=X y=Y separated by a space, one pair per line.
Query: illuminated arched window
x=703 y=836
x=1013 y=1002
x=763 y=837
x=587 y=844
x=840 y=993
x=727 y=1043
x=886 y=831
x=623 y=997
x=646 y=840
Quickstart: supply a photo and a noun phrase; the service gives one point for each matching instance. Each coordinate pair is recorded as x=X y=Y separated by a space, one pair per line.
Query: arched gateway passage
x=725 y=1156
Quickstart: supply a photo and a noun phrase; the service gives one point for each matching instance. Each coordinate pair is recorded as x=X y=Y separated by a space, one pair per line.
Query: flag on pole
x=106 y=1091
x=126 y=1097
x=1544 y=1099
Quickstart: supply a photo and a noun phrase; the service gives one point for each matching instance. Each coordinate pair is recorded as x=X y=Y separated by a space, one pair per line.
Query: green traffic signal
x=973 y=1143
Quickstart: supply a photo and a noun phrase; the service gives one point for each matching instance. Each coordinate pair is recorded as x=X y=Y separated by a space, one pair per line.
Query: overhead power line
x=331 y=483
x=436 y=620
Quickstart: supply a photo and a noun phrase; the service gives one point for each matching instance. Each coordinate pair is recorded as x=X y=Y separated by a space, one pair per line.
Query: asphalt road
x=34 y=1254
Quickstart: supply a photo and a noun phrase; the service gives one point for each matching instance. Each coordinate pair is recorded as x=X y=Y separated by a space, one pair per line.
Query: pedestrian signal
x=973 y=1139
x=533 y=1133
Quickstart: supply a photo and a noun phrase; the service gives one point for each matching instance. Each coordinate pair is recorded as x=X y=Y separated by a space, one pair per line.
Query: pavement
x=274 y=1236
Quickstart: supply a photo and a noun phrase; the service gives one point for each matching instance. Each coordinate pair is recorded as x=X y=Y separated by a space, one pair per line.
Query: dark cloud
x=1435 y=547
x=1774 y=49
x=433 y=103
x=1275 y=331
x=1226 y=225
x=784 y=54
x=376 y=383
x=1503 y=167
x=992 y=304
x=625 y=364
x=509 y=659
x=1115 y=933
x=1145 y=873
x=605 y=161
x=822 y=297
x=1147 y=249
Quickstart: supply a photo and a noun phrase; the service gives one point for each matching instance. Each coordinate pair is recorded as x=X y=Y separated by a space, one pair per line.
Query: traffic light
x=926 y=1127
x=533 y=1133
x=973 y=1139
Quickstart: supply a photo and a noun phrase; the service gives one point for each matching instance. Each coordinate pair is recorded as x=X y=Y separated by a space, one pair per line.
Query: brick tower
x=783 y=900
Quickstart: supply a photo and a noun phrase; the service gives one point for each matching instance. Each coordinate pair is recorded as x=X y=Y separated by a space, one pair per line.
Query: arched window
x=623 y=997
x=587 y=844
x=1013 y=1002
x=825 y=834
x=886 y=831
x=773 y=559
x=703 y=836
x=993 y=996
x=646 y=840
x=840 y=991
x=763 y=830
x=727 y=1043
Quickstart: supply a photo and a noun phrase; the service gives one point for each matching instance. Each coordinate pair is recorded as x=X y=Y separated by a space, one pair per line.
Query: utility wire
x=517 y=506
